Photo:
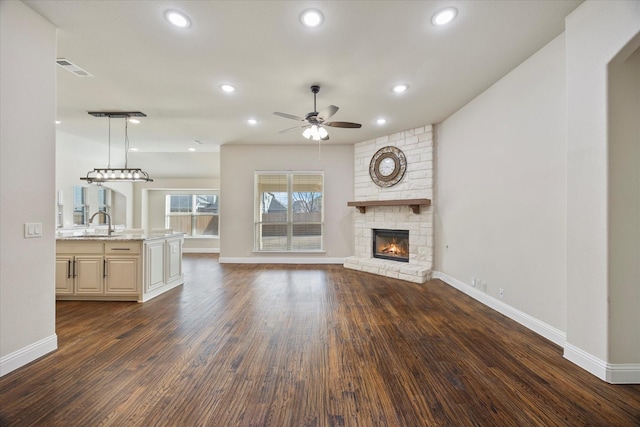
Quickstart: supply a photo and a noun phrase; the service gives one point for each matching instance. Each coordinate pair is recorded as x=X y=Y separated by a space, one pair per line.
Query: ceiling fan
x=317 y=120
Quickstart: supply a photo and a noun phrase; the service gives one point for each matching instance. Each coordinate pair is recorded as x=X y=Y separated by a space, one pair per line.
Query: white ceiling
x=140 y=62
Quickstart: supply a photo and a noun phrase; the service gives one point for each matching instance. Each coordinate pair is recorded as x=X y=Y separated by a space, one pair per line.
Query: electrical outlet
x=501 y=293
x=474 y=282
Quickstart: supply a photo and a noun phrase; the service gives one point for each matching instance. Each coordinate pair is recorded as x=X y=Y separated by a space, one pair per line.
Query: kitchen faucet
x=108 y=220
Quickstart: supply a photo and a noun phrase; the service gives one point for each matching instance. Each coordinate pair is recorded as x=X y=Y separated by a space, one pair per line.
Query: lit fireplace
x=391 y=244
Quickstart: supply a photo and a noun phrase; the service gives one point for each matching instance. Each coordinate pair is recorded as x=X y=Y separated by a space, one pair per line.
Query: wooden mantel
x=414 y=204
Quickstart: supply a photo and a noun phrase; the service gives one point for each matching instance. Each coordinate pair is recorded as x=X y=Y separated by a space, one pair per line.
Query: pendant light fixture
x=125 y=174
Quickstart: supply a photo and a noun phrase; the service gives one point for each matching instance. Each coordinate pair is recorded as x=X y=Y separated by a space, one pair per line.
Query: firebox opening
x=391 y=244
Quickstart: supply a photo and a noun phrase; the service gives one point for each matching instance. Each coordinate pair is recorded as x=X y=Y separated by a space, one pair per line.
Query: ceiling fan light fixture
x=444 y=16
x=322 y=132
x=178 y=19
x=311 y=18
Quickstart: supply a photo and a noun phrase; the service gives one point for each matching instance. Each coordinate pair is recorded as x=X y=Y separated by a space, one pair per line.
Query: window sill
x=202 y=237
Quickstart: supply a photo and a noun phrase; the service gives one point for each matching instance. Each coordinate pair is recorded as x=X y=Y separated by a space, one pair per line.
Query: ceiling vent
x=73 y=68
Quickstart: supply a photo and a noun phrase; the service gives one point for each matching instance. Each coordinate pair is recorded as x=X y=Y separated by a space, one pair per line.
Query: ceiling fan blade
x=327 y=112
x=343 y=124
x=293 y=129
x=289 y=116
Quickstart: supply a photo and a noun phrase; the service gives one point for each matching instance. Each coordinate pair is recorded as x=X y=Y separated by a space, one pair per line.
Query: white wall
x=501 y=192
x=238 y=163
x=624 y=208
x=595 y=33
x=27 y=191
x=149 y=207
x=74 y=158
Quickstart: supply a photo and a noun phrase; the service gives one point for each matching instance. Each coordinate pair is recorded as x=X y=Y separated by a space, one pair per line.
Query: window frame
x=80 y=209
x=193 y=211
x=290 y=221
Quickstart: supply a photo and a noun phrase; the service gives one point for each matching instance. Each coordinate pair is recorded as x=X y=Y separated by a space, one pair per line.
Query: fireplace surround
x=404 y=206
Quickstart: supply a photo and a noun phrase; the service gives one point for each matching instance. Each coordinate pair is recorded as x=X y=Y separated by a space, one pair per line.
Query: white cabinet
x=64 y=275
x=163 y=265
x=122 y=268
x=89 y=275
x=173 y=260
x=118 y=269
x=154 y=277
x=96 y=270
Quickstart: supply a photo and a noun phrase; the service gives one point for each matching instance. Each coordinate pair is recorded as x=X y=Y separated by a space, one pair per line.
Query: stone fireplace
x=404 y=206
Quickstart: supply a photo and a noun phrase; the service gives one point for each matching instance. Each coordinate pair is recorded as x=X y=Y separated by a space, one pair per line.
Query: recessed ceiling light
x=252 y=121
x=58 y=122
x=228 y=88
x=192 y=149
x=381 y=121
x=444 y=16
x=133 y=149
x=400 y=88
x=134 y=121
x=178 y=19
x=311 y=17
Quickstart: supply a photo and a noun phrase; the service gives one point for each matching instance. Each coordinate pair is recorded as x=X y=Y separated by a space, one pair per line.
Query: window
x=193 y=214
x=104 y=203
x=288 y=211
x=80 y=206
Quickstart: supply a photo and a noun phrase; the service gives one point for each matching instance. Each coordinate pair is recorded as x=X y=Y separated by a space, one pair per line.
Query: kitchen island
x=117 y=267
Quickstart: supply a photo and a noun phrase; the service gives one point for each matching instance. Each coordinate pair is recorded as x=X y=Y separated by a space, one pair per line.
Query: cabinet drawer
x=79 y=247
x=122 y=248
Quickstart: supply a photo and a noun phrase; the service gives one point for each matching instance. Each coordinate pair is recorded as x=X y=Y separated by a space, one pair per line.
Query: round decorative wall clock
x=387 y=166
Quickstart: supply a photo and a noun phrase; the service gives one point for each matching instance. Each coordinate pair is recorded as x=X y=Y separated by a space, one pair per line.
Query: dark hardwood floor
x=282 y=345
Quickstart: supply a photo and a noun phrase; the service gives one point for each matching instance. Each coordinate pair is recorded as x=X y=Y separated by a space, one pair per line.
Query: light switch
x=32 y=229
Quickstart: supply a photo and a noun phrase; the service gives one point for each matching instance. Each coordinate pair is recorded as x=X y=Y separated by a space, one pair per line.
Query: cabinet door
x=89 y=271
x=64 y=275
x=122 y=275
x=173 y=267
x=154 y=274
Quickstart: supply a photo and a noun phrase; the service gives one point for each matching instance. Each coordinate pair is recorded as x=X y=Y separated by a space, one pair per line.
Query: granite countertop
x=116 y=236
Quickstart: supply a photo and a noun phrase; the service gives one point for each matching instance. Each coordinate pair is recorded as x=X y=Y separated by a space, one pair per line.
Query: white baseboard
x=614 y=373
x=549 y=332
x=200 y=250
x=278 y=260
x=28 y=354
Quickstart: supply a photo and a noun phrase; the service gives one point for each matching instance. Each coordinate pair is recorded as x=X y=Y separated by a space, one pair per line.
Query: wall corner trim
x=28 y=354
x=547 y=331
x=613 y=373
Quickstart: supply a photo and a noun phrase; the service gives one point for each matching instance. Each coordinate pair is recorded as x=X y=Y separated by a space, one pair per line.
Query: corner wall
x=27 y=144
x=595 y=32
x=501 y=194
